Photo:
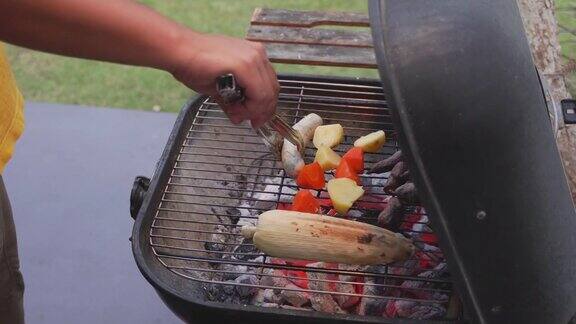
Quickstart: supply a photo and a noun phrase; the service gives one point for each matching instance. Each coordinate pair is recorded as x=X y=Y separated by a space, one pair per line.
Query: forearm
x=123 y=31
x=120 y=31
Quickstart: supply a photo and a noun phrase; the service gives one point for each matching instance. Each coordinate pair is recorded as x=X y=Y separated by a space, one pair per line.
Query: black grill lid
x=474 y=128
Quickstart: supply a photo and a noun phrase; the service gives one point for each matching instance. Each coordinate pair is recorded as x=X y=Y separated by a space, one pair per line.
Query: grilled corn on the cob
x=296 y=235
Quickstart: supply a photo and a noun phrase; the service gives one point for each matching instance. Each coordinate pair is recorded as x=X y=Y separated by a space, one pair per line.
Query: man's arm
x=124 y=31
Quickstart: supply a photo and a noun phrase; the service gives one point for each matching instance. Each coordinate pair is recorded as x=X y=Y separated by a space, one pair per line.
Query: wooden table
x=290 y=37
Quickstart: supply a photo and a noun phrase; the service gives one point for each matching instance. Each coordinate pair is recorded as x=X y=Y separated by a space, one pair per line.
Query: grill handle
x=569 y=111
x=139 y=189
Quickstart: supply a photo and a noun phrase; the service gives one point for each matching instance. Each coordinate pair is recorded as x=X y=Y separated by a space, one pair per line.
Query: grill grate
x=224 y=177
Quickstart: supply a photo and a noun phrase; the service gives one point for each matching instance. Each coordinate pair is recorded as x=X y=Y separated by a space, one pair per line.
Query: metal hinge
x=569 y=111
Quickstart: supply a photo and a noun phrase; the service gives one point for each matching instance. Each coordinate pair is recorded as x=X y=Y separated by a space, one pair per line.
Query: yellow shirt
x=11 y=111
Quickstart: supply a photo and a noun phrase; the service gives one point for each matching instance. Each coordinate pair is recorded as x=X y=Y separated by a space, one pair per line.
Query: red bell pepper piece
x=344 y=170
x=305 y=202
x=355 y=158
x=311 y=177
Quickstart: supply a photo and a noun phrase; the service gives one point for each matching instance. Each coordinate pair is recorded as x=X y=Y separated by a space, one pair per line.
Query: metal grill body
x=222 y=176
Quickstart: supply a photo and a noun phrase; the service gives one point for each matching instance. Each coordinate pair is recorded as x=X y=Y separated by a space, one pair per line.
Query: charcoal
x=354 y=213
x=273 y=193
x=241 y=181
x=265 y=205
x=325 y=303
x=294 y=296
x=271 y=297
x=392 y=214
x=346 y=301
x=266 y=278
x=413 y=310
x=295 y=308
x=351 y=268
x=259 y=260
x=246 y=217
x=217 y=214
x=407 y=193
x=216 y=240
x=270 y=305
x=228 y=289
x=245 y=247
x=320 y=301
x=258 y=297
x=430 y=311
x=387 y=164
x=372 y=306
x=378 y=269
x=265 y=296
x=215 y=293
x=407 y=267
x=415 y=286
x=234 y=193
x=350 y=281
x=371 y=215
x=232 y=271
x=415 y=289
x=222 y=293
x=248 y=279
x=277 y=281
x=233 y=214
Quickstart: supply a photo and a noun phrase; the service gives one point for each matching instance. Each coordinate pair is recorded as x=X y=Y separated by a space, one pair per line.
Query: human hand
x=200 y=59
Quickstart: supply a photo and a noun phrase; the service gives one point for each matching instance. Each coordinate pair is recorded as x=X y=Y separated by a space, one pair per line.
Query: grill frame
x=186 y=297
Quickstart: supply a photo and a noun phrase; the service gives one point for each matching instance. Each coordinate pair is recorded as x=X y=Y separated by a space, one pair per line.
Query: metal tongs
x=274 y=131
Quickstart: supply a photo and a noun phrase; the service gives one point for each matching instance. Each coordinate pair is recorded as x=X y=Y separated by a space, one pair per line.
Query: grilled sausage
x=399 y=170
x=391 y=216
x=407 y=193
x=398 y=176
x=386 y=164
x=292 y=159
x=391 y=184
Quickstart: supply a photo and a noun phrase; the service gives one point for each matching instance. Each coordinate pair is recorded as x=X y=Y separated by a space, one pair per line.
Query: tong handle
x=229 y=90
x=231 y=93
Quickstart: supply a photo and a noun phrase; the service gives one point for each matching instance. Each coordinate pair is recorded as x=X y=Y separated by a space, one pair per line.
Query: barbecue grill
x=479 y=143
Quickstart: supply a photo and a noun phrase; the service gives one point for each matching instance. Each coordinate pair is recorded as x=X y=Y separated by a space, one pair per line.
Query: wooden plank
x=303 y=35
x=345 y=56
x=279 y=17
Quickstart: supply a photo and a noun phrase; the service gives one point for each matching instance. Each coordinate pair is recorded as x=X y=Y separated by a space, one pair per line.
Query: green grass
x=566 y=16
x=45 y=77
x=50 y=78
